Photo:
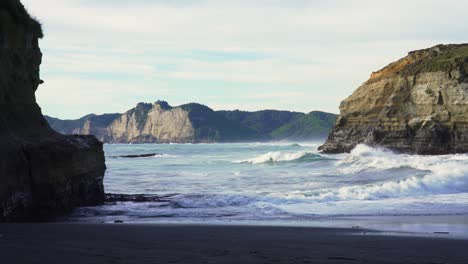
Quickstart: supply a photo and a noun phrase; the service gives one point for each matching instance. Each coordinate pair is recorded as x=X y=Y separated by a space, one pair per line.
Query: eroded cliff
x=195 y=123
x=151 y=123
x=42 y=172
x=418 y=105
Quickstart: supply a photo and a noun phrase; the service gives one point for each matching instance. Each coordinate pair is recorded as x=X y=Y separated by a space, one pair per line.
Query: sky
x=106 y=56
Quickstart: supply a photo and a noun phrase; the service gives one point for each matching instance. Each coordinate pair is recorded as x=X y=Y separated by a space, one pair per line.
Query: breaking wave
x=446 y=174
x=279 y=156
x=367 y=181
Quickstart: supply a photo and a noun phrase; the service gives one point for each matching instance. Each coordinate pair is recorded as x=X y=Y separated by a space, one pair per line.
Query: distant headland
x=160 y=122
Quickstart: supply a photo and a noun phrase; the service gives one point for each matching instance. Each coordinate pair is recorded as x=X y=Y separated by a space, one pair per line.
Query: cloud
x=200 y=48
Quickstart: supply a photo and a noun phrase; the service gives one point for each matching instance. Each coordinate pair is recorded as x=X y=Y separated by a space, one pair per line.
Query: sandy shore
x=122 y=243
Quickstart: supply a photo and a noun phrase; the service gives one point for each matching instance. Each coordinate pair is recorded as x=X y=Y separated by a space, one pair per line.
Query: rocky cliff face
x=195 y=123
x=151 y=123
x=418 y=104
x=41 y=172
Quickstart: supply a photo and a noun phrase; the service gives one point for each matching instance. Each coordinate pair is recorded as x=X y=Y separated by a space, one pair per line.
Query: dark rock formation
x=196 y=123
x=137 y=156
x=418 y=104
x=137 y=198
x=42 y=172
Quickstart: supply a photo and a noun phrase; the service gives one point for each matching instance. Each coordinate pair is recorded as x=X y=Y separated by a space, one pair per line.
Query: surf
x=280 y=156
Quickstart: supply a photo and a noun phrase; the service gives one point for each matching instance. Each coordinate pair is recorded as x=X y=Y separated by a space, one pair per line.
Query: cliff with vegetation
x=196 y=123
x=418 y=104
x=42 y=172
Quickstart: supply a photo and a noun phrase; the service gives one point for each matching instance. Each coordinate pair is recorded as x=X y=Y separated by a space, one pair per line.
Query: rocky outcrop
x=42 y=172
x=151 y=123
x=418 y=104
x=194 y=123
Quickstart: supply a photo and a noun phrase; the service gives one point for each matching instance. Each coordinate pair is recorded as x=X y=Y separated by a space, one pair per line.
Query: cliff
x=415 y=105
x=42 y=172
x=195 y=123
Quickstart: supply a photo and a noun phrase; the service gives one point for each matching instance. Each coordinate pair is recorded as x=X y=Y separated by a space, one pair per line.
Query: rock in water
x=42 y=173
x=137 y=156
x=418 y=104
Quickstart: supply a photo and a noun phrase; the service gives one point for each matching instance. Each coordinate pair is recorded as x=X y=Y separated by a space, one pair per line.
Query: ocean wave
x=367 y=181
x=364 y=159
x=312 y=144
x=210 y=201
x=446 y=174
x=166 y=156
x=447 y=180
x=279 y=156
x=232 y=207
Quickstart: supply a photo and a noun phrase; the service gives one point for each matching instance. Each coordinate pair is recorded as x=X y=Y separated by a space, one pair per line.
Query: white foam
x=165 y=156
x=367 y=181
x=275 y=156
x=446 y=174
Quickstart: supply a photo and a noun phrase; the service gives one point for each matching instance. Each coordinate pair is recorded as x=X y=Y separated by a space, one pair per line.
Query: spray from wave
x=446 y=174
x=367 y=181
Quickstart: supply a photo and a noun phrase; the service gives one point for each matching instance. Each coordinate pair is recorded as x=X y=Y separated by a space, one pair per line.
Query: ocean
x=283 y=183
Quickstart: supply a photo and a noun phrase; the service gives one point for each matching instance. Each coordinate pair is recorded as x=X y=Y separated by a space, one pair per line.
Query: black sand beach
x=122 y=243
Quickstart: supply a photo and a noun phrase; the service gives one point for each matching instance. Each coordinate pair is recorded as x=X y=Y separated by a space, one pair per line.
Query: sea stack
x=42 y=172
x=418 y=104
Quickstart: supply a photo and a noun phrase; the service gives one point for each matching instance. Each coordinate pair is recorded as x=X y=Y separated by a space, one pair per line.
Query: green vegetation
x=141 y=114
x=225 y=126
x=222 y=126
x=21 y=16
x=68 y=126
x=164 y=105
x=441 y=58
x=313 y=125
x=211 y=126
x=429 y=92
x=261 y=122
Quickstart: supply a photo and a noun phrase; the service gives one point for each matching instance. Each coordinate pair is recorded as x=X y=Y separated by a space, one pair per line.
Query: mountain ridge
x=160 y=122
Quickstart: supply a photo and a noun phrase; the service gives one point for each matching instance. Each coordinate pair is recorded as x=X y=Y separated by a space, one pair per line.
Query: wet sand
x=122 y=243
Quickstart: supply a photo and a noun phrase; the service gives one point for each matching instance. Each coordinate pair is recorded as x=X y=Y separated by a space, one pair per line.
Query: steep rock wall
x=418 y=105
x=196 y=123
x=42 y=173
x=151 y=123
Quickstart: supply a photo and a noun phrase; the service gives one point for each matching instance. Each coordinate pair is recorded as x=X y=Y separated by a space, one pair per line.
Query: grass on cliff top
x=450 y=58
x=19 y=13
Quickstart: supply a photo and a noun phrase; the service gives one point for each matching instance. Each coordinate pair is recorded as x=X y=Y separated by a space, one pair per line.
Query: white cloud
x=305 y=45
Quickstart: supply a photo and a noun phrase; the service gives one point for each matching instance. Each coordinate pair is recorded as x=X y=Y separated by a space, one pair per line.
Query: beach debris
x=442 y=233
x=118 y=222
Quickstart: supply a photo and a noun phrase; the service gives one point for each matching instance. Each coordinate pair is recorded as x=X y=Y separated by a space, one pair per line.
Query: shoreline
x=150 y=243
x=426 y=226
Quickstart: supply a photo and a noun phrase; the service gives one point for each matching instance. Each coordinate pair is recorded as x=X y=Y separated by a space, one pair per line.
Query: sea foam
x=447 y=174
x=279 y=156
